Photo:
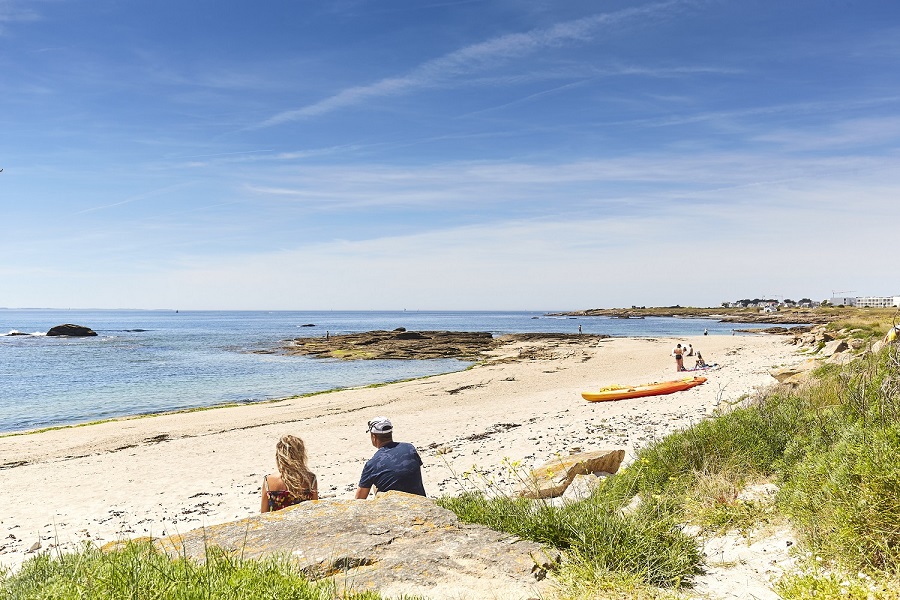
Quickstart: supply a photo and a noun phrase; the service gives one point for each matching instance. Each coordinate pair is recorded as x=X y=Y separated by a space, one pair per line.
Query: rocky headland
x=419 y=345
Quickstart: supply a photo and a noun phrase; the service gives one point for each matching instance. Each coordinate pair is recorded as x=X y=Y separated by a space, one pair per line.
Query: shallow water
x=153 y=361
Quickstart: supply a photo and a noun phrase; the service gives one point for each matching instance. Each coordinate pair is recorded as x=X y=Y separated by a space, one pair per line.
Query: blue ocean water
x=153 y=361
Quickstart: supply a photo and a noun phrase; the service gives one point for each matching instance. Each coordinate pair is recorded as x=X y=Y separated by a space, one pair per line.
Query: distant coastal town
x=772 y=304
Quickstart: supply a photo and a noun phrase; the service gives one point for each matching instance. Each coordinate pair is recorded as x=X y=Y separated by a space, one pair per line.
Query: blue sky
x=446 y=154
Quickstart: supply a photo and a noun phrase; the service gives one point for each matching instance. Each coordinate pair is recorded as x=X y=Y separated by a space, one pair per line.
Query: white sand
x=112 y=480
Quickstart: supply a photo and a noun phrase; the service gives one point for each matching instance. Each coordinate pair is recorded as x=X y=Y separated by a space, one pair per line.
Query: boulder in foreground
x=794 y=374
x=71 y=330
x=396 y=544
x=551 y=479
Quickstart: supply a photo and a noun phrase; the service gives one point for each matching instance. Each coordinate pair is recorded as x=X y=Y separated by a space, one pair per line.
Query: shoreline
x=472 y=363
x=178 y=471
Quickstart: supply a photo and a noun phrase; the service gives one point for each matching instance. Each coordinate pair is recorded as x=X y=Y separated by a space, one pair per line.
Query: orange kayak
x=620 y=392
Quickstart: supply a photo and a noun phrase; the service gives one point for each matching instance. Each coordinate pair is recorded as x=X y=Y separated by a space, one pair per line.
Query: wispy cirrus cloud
x=12 y=11
x=474 y=58
x=135 y=198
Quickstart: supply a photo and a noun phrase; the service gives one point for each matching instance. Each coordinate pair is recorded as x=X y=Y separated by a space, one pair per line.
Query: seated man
x=395 y=465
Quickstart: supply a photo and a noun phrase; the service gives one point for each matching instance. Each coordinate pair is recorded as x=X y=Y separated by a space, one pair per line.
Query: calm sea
x=153 y=361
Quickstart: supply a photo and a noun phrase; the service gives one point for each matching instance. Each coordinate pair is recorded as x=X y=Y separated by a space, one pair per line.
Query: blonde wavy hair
x=290 y=456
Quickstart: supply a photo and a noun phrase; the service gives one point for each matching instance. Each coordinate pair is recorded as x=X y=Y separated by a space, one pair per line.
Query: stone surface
x=582 y=487
x=794 y=374
x=551 y=479
x=71 y=330
x=396 y=544
x=833 y=347
x=840 y=358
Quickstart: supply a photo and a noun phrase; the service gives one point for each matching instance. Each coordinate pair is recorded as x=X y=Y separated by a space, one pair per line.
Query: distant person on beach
x=579 y=329
x=689 y=351
x=294 y=482
x=678 y=353
x=706 y=332
x=700 y=362
x=395 y=465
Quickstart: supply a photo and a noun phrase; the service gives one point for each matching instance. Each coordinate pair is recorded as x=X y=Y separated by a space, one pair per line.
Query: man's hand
x=362 y=493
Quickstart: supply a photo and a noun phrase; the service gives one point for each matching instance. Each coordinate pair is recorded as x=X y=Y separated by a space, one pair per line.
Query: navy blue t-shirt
x=395 y=466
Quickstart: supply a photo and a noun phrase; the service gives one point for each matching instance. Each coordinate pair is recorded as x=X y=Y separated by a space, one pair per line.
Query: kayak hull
x=639 y=391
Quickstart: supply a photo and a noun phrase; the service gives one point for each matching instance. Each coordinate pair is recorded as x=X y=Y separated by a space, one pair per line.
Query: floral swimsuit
x=279 y=499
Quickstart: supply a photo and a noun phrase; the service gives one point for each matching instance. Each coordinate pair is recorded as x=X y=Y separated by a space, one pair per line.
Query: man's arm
x=362 y=493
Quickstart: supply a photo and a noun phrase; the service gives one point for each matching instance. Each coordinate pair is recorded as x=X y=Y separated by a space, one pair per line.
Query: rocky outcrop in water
x=71 y=330
x=419 y=345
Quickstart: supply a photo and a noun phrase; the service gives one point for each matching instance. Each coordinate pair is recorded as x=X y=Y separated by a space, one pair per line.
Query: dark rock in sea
x=400 y=329
x=308 y=325
x=410 y=335
x=14 y=332
x=71 y=330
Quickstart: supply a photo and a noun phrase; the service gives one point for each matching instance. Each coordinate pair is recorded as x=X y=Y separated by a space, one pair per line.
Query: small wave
x=16 y=332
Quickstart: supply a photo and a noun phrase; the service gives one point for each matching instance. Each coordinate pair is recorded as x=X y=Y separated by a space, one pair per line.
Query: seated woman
x=294 y=482
x=700 y=362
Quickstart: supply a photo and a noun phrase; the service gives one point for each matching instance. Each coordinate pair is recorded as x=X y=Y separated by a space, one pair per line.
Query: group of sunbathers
x=395 y=466
x=679 y=352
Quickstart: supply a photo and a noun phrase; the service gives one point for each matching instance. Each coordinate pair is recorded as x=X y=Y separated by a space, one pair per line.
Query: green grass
x=646 y=545
x=832 y=447
x=871 y=322
x=829 y=586
x=138 y=571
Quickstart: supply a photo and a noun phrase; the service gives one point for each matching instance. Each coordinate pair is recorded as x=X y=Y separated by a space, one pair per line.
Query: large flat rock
x=396 y=544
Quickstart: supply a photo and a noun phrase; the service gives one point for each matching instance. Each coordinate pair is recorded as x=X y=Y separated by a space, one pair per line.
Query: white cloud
x=472 y=59
x=850 y=133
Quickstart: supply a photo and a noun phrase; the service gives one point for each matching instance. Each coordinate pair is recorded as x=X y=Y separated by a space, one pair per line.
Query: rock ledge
x=397 y=544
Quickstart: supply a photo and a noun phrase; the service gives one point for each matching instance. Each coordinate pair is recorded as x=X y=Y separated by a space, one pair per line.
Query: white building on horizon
x=844 y=301
x=878 y=301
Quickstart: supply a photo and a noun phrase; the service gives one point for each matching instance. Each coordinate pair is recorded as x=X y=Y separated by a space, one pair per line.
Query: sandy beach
x=171 y=473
